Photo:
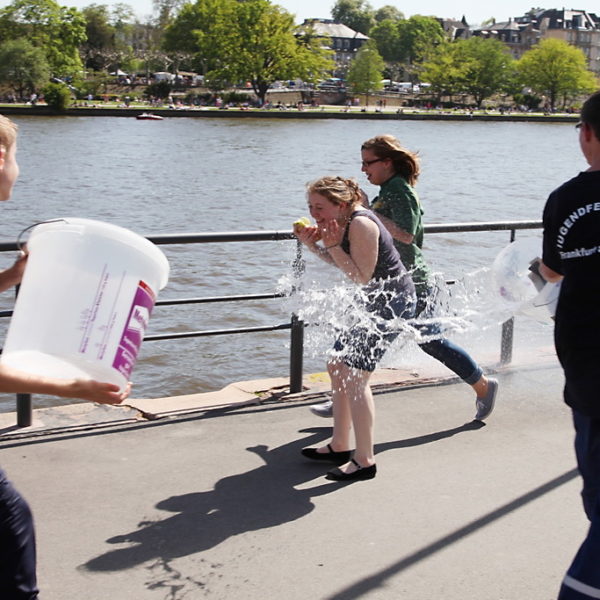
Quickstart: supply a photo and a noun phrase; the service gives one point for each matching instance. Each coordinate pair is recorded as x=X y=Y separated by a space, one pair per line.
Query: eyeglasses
x=368 y=163
x=579 y=125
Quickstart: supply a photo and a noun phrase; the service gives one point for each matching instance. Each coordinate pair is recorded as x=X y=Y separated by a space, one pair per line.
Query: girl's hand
x=331 y=233
x=308 y=234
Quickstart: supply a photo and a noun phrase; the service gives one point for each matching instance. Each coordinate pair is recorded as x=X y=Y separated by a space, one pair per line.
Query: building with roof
x=455 y=30
x=344 y=41
x=577 y=27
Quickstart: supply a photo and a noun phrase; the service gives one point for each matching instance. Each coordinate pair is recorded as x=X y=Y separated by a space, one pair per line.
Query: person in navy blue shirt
x=571 y=252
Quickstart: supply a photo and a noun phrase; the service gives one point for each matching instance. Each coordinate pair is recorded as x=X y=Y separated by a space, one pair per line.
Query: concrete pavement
x=219 y=503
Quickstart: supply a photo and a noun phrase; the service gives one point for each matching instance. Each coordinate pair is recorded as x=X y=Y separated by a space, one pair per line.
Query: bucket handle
x=21 y=244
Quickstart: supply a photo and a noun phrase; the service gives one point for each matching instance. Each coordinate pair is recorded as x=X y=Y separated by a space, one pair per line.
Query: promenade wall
x=329 y=112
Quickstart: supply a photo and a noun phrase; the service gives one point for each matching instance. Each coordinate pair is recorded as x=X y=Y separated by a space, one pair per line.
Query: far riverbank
x=323 y=112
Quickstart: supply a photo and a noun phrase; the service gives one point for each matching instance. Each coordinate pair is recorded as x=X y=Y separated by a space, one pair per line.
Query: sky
x=476 y=11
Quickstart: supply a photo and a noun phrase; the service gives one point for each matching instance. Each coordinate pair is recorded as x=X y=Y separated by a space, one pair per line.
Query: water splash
x=328 y=305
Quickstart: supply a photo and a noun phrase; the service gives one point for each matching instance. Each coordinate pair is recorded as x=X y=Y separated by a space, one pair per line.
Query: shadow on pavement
x=261 y=498
x=363 y=588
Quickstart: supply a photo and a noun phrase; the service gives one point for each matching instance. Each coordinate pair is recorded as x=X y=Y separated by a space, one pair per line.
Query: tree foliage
x=442 y=70
x=366 y=71
x=477 y=66
x=388 y=12
x=57 y=96
x=405 y=43
x=387 y=37
x=23 y=66
x=356 y=14
x=485 y=67
x=99 y=46
x=59 y=31
x=250 y=41
x=418 y=36
x=556 y=69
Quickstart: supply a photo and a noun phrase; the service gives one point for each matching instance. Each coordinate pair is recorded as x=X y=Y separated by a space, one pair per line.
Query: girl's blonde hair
x=8 y=132
x=337 y=190
x=406 y=163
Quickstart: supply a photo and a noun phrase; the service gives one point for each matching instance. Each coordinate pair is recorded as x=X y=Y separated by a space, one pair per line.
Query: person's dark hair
x=406 y=163
x=590 y=113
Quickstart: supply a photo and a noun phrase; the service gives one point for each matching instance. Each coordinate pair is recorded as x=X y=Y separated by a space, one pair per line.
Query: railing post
x=24 y=410
x=24 y=403
x=297 y=330
x=506 y=344
x=508 y=327
x=296 y=355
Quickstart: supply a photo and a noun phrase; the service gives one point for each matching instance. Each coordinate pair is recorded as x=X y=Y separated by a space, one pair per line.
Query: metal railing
x=295 y=325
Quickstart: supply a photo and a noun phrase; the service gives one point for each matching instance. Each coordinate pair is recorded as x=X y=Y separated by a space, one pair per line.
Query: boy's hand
x=14 y=274
x=19 y=265
x=96 y=391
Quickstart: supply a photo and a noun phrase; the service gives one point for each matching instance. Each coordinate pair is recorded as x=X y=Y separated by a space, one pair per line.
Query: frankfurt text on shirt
x=579 y=253
x=571 y=220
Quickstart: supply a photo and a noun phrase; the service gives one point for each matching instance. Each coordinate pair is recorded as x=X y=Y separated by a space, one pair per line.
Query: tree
x=418 y=36
x=442 y=69
x=356 y=14
x=167 y=10
x=23 y=67
x=57 y=30
x=100 y=34
x=485 y=67
x=387 y=38
x=556 y=69
x=202 y=29
x=250 y=41
x=388 y=12
x=366 y=71
x=57 y=96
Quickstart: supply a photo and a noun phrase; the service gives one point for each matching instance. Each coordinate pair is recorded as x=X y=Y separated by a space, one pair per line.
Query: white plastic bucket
x=512 y=275
x=85 y=301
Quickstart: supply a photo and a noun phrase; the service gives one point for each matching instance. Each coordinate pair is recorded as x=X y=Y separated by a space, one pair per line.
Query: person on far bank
x=352 y=239
x=571 y=252
x=18 y=579
x=396 y=170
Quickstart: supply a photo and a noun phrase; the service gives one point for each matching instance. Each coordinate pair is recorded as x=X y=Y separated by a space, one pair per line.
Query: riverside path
x=219 y=503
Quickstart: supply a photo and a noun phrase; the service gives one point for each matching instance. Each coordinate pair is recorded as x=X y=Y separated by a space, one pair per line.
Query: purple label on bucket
x=136 y=325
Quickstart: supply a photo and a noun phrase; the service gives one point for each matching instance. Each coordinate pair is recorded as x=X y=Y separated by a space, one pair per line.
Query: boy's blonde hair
x=8 y=133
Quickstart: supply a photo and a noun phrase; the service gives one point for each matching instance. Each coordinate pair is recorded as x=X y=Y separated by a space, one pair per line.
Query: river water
x=203 y=175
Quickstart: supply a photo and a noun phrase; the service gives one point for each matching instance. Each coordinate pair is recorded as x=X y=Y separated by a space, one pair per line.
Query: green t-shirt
x=399 y=202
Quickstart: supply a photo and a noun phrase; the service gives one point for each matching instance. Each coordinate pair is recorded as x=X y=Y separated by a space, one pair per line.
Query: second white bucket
x=85 y=301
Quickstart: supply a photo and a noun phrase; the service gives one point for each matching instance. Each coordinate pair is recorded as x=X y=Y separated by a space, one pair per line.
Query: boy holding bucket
x=17 y=538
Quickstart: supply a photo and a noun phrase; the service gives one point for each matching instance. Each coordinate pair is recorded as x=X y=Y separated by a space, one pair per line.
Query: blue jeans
x=582 y=581
x=17 y=545
x=443 y=350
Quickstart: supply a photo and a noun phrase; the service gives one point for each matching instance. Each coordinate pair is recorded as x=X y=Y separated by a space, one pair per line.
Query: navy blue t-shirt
x=572 y=248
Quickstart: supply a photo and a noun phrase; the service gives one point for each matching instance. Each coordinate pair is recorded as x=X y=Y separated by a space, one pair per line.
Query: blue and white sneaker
x=485 y=405
x=325 y=409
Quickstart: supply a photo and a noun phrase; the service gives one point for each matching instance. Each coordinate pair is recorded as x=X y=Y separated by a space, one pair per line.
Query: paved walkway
x=219 y=504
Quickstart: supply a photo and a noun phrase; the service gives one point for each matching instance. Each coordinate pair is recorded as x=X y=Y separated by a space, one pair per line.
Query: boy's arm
x=13 y=275
x=548 y=274
x=13 y=381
